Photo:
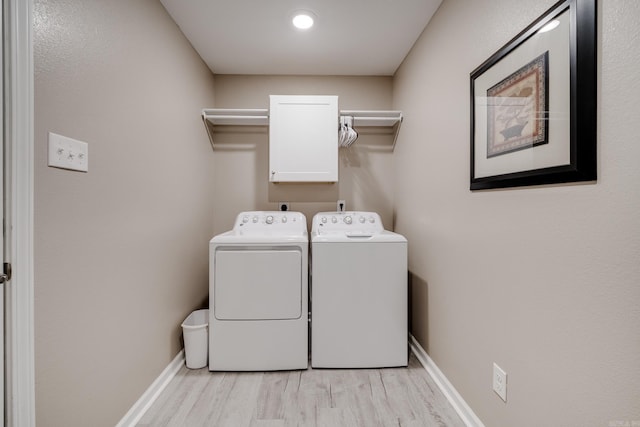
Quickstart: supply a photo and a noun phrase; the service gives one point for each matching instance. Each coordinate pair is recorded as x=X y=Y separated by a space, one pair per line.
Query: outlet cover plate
x=68 y=153
x=500 y=382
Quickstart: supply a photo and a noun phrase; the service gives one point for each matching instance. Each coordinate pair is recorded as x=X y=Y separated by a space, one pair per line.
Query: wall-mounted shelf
x=373 y=117
x=260 y=117
x=376 y=118
x=212 y=117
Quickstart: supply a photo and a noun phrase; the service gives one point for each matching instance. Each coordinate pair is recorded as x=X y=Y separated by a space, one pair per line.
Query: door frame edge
x=19 y=309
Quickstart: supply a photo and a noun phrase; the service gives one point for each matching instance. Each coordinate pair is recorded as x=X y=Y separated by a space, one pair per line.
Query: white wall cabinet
x=303 y=138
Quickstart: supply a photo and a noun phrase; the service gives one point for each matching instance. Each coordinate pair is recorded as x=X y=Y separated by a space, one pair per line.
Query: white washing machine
x=258 y=294
x=359 y=307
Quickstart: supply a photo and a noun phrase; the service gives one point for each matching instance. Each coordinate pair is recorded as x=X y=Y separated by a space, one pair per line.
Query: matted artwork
x=533 y=104
x=518 y=109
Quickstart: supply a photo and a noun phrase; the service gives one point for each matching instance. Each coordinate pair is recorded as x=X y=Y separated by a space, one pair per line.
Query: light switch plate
x=68 y=153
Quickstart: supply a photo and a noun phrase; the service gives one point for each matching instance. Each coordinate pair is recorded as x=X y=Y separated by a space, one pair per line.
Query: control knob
x=269 y=219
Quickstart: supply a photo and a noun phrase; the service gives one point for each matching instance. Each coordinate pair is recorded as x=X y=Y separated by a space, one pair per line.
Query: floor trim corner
x=147 y=399
x=465 y=412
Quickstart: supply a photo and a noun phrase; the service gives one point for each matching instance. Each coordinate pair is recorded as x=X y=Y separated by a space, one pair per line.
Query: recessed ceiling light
x=303 y=20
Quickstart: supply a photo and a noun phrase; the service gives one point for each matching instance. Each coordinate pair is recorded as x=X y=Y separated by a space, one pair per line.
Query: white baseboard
x=147 y=399
x=465 y=412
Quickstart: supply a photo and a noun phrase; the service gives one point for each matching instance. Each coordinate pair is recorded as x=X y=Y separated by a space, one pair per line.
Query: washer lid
x=384 y=236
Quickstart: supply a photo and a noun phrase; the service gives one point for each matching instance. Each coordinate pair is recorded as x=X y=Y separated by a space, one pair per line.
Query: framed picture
x=533 y=104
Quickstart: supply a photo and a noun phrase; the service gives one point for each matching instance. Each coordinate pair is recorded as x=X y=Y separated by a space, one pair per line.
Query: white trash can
x=196 y=339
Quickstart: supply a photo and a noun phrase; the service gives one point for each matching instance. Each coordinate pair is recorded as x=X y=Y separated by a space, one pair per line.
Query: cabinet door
x=303 y=138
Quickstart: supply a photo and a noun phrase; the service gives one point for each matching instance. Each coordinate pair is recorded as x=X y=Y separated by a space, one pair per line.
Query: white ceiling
x=351 y=37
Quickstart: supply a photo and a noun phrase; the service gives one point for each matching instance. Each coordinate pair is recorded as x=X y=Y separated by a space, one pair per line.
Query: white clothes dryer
x=258 y=294
x=359 y=307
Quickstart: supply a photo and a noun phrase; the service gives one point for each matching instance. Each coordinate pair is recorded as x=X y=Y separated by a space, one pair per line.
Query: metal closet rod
x=220 y=115
x=373 y=118
x=229 y=116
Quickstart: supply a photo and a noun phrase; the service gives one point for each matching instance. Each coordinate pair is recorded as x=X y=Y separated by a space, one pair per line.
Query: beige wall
x=241 y=158
x=543 y=281
x=121 y=251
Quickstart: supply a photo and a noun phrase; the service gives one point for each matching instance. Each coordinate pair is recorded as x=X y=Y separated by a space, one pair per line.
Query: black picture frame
x=568 y=154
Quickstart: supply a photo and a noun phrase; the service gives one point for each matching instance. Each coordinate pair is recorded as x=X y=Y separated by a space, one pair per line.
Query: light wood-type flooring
x=398 y=397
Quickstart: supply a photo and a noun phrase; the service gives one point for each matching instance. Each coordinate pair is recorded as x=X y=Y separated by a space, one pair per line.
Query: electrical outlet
x=68 y=153
x=283 y=206
x=500 y=382
x=341 y=206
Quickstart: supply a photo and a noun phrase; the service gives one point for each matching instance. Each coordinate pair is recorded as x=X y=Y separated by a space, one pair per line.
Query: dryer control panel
x=260 y=222
x=349 y=223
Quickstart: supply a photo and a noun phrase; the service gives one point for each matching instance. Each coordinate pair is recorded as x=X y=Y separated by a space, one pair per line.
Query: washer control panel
x=270 y=221
x=351 y=223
